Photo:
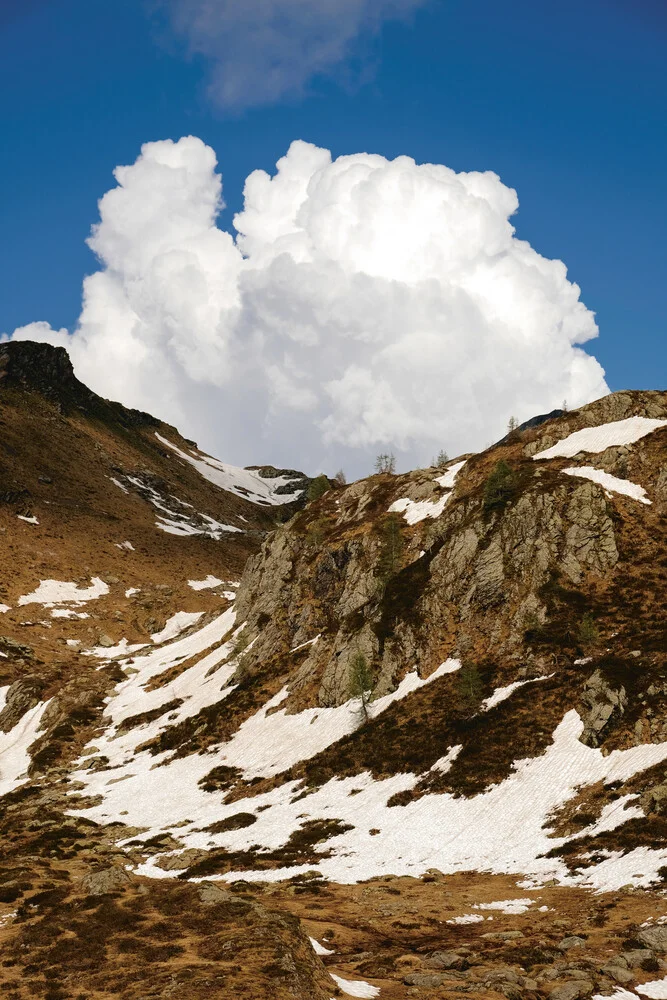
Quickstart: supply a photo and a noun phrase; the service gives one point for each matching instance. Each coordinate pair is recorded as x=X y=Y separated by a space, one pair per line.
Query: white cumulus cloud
x=264 y=50
x=364 y=304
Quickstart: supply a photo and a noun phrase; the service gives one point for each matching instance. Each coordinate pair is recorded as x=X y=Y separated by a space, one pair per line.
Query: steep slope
x=437 y=700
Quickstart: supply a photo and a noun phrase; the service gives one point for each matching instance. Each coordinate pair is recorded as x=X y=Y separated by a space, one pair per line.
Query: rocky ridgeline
x=531 y=575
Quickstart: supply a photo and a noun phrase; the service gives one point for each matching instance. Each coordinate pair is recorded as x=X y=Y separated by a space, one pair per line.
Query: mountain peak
x=48 y=370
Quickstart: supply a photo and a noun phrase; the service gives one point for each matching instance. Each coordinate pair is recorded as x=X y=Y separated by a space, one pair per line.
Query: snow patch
x=28 y=520
x=4 y=608
x=449 y=478
x=510 y=906
x=14 y=756
x=50 y=592
x=245 y=483
x=308 y=642
x=319 y=949
x=356 y=987
x=466 y=918
x=657 y=989
x=418 y=510
x=177 y=623
x=608 y=482
x=501 y=693
x=207 y=584
x=596 y=439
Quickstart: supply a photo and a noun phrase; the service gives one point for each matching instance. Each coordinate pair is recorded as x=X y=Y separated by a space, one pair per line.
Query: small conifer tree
x=386 y=462
x=470 y=686
x=361 y=683
x=499 y=486
x=317 y=487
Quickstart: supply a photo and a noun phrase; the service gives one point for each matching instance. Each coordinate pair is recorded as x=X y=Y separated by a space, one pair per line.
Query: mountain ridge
x=419 y=703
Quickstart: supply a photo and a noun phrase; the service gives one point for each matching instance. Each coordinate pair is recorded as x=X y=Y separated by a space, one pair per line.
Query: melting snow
x=14 y=756
x=246 y=483
x=308 y=642
x=181 y=620
x=356 y=987
x=207 y=584
x=511 y=906
x=449 y=478
x=417 y=510
x=597 y=439
x=609 y=482
x=118 y=483
x=500 y=694
x=4 y=608
x=128 y=546
x=132 y=590
x=28 y=520
x=657 y=989
x=211 y=529
x=122 y=648
x=52 y=592
x=319 y=949
x=68 y=613
x=444 y=764
x=434 y=831
x=467 y=918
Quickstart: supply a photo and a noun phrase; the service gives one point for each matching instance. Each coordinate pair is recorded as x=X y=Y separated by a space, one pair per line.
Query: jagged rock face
x=471 y=580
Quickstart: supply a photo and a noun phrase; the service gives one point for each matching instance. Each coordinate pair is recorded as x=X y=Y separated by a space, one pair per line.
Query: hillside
x=420 y=721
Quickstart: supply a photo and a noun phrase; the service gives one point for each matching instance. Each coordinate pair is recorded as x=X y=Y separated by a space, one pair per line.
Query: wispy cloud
x=263 y=50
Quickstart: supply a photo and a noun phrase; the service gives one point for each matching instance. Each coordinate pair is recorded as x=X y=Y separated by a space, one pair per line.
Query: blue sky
x=566 y=102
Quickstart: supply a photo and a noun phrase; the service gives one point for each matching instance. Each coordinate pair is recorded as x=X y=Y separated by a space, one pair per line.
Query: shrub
x=499 y=486
x=386 y=463
x=587 y=633
x=469 y=685
x=392 y=545
x=317 y=487
x=315 y=531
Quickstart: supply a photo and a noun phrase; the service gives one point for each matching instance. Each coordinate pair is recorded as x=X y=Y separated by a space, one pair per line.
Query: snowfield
x=434 y=831
x=246 y=483
x=596 y=439
x=50 y=592
x=611 y=483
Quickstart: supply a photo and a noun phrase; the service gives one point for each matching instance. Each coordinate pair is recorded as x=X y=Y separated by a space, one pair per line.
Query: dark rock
x=23 y=695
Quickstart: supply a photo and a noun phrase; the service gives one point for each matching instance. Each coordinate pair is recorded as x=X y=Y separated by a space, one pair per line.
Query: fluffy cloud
x=262 y=50
x=364 y=304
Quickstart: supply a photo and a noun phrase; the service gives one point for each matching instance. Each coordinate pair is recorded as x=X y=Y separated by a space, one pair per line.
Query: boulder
x=572 y=990
x=654 y=937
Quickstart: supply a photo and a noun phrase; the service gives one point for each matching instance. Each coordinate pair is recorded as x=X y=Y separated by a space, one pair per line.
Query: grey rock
x=572 y=942
x=445 y=960
x=432 y=979
x=617 y=973
x=210 y=893
x=654 y=937
x=572 y=990
x=23 y=695
x=106 y=880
